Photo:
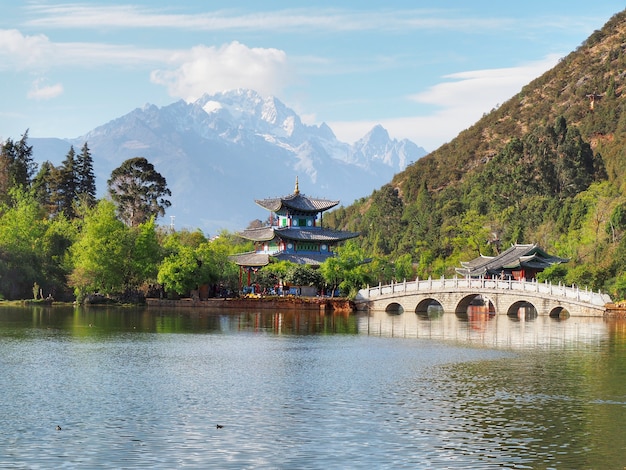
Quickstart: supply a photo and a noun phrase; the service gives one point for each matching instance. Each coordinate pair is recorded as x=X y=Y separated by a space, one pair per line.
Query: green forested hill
x=548 y=166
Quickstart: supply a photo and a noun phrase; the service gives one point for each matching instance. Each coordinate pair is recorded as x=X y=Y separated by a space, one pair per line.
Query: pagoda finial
x=297 y=189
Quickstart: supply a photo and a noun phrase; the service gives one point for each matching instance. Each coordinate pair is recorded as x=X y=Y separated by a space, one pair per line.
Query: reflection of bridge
x=502 y=296
x=488 y=330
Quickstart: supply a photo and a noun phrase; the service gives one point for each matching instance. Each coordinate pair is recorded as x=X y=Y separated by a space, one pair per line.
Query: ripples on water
x=303 y=390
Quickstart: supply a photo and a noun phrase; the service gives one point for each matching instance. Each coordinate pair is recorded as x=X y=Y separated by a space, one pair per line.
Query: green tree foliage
x=22 y=232
x=146 y=254
x=304 y=275
x=65 y=185
x=383 y=222
x=101 y=256
x=85 y=178
x=188 y=265
x=178 y=273
x=348 y=270
x=44 y=187
x=16 y=165
x=139 y=191
x=60 y=234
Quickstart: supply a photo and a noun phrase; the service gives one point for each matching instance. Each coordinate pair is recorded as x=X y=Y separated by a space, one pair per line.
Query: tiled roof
x=261 y=234
x=319 y=234
x=314 y=259
x=250 y=259
x=259 y=259
x=529 y=256
x=314 y=234
x=296 y=202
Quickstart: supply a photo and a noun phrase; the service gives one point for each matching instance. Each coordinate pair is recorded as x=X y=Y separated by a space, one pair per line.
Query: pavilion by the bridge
x=295 y=233
x=518 y=262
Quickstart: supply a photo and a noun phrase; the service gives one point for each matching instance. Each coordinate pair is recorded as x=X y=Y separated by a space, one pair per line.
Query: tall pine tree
x=85 y=179
x=65 y=184
x=16 y=165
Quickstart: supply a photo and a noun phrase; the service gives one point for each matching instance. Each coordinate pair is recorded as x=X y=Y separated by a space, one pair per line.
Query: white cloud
x=18 y=50
x=211 y=69
x=46 y=92
x=36 y=52
x=461 y=102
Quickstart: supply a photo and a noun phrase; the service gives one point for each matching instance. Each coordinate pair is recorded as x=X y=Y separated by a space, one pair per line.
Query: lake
x=144 y=388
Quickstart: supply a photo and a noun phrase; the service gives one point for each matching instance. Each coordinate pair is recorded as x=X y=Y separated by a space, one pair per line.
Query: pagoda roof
x=517 y=256
x=313 y=259
x=296 y=202
x=262 y=234
x=253 y=259
x=314 y=234
x=250 y=259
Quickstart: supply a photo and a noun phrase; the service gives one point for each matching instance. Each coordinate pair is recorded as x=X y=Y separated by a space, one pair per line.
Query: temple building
x=296 y=233
x=518 y=262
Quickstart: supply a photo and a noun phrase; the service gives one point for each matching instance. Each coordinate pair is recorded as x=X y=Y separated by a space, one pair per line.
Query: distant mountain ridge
x=224 y=150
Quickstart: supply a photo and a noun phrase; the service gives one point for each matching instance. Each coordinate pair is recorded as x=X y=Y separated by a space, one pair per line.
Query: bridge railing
x=480 y=285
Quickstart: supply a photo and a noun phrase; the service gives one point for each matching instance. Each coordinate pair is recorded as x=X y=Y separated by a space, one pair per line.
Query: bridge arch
x=473 y=299
x=522 y=310
x=559 y=313
x=394 y=308
x=424 y=304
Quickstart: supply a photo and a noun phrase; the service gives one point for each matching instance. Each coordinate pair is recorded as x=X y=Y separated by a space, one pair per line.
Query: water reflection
x=143 y=388
x=87 y=322
x=480 y=325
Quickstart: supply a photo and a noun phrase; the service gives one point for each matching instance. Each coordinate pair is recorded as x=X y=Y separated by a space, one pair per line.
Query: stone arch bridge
x=502 y=296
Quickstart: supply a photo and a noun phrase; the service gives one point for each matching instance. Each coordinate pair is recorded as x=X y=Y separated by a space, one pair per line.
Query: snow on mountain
x=224 y=150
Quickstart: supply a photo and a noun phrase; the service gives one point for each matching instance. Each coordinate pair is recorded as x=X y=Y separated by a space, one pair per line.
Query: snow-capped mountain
x=223 y=151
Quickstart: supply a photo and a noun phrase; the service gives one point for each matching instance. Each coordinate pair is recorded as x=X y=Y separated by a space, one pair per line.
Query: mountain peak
x=225 y=149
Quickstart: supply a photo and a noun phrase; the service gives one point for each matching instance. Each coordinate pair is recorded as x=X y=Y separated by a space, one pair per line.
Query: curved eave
x=297 y=203
x=261 y=234
x=470 y=272
x=250 y=259
x=315 y=234
x=312 y=259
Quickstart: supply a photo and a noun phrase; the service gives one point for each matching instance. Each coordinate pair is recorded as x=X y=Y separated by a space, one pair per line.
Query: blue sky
x=425 y=70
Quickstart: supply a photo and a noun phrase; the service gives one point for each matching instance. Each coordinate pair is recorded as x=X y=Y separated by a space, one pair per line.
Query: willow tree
x=139 y=191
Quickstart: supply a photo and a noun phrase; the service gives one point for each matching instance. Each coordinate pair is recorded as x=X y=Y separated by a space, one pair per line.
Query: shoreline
x=309 y=303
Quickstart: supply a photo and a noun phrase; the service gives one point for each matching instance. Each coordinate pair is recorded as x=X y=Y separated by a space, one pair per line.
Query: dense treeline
x=57 y=240
x=546 y=167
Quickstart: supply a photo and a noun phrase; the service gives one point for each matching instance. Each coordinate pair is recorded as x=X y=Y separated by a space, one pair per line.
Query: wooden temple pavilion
x=295 y=233
x=518 y=262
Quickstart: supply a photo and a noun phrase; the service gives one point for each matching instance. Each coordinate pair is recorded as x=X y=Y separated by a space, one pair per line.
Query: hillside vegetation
x=548 y=166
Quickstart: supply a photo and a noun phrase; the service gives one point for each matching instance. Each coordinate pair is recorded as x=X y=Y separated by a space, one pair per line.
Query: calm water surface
x=298 y=390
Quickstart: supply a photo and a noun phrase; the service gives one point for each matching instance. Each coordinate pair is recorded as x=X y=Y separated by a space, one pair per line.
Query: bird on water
x=219 y=426
x=58 y=428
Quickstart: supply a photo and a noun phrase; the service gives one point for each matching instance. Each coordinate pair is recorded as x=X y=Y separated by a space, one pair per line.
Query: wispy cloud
x=39 y=91
x=21 y=51
x=460 y=100
x=335 y=19
x=476 y=88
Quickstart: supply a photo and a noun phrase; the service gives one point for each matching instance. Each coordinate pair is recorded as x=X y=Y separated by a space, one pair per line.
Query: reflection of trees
x=79 y=321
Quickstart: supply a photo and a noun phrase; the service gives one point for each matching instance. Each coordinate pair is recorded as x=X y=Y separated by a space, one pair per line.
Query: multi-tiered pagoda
x=295 y=233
